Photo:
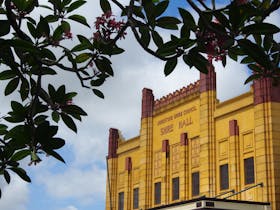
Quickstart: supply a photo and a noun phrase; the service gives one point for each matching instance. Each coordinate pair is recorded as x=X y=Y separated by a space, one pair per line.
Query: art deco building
x=194 y=152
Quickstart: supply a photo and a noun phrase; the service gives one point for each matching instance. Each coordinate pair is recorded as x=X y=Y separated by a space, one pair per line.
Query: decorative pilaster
x=165 y=172
x=184 y=178
x=112 y=173
x=207 y=139
x=234 y=158
x=267 y=135
x=128 y=184
x=145 y=185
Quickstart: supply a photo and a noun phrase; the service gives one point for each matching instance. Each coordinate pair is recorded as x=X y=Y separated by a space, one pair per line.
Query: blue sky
x=80 y=184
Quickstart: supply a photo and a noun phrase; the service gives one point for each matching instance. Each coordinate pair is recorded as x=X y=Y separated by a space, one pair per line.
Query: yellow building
x=191 y=147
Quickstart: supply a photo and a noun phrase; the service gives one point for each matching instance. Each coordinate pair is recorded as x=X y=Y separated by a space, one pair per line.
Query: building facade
x=191 y=145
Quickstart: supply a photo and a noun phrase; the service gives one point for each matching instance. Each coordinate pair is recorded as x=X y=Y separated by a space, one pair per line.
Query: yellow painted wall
x=209 y=146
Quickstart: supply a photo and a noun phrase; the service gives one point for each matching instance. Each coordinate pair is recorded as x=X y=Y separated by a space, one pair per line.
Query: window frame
x=249 y=170
x=224 y=177
x=136 y=198
x=175 y=188
x=157 y=193
x=195 y=183
x=121 y=201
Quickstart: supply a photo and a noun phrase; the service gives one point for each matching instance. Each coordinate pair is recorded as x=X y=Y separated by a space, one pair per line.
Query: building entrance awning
x=204 y=203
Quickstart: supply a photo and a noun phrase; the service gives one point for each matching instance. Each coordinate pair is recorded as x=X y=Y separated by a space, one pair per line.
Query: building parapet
x=176 y=96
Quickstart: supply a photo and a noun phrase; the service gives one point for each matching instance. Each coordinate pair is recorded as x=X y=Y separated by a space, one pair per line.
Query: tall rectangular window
x=249 y=170
x=195 y=183
x=224 y=178
x=175 y=188
x=157 y=193
x=135 y=198
x=121 y=201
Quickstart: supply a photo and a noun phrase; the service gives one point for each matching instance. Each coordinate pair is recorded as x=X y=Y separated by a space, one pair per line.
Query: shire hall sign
x=194 y=152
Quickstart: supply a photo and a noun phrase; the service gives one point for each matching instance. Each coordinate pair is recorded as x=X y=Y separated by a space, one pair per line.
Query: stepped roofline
x=177 y=95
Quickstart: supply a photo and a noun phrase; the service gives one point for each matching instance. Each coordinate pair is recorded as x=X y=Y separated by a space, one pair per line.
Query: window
x=158 y=193
x=135 y=198
x=175 y=188
x=195 y=183
x=224 y=179
x=249 y=170
x=121 y=201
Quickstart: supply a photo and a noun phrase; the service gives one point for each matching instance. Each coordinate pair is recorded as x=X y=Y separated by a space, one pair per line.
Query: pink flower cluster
x=106 y=25
x=213 y=44
x=240 y=2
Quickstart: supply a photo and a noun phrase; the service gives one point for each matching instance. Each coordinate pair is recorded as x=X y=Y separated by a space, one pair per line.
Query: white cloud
x=15 y=195
x=85 y=186
x=69 y=208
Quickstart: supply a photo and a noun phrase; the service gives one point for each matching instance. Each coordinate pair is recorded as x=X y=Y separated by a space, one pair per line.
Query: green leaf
x=168 y=48
x=104 y=65
x=83 y=57
x=56 y=155
x=5 y=27
x=105 y=5
x=260 y=28
x=8 y=74
x=168 y=22
x=21 y=173
x=43 y=27
x=187 y=18
x=97 y=82
x=98 y=93
x=69 y=122
x=255 y=52
x=193 y=58
x=170 y=66
x=7 y=176
x=32 y=29
x=252 y=77
x=11 y=86
x=73 y=109
x=267 y=42
x=55 y=116
x=79 y=19
x=40 y=119
x=145 y=35
x=247 y=59
x=20 y=155
x=161 y=7
x=157 y=38
x=75 y=5
x=17 y=107
x=84 y=40
x=255 y=68
x=56 y=143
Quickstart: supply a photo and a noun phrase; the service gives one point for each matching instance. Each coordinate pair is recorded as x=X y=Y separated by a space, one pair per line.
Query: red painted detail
x=208 y=81
x=184 y=139
x=177 y=95
x=265 y=91
x=128 y=164
x=165 y=146
x=147 y=103
x=233 y=128
x=113 y=143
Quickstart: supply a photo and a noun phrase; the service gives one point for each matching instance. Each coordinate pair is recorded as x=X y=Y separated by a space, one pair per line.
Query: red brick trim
x=147 y=103
x=128 y=164
x=177 y=95
x=113 y=143
x=165 y=146
x=233 y=128
x=184 y=139
x=208 y=81
x=265 y=91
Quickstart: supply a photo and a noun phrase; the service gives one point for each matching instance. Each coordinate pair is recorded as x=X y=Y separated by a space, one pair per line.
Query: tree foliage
x=32 y=49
